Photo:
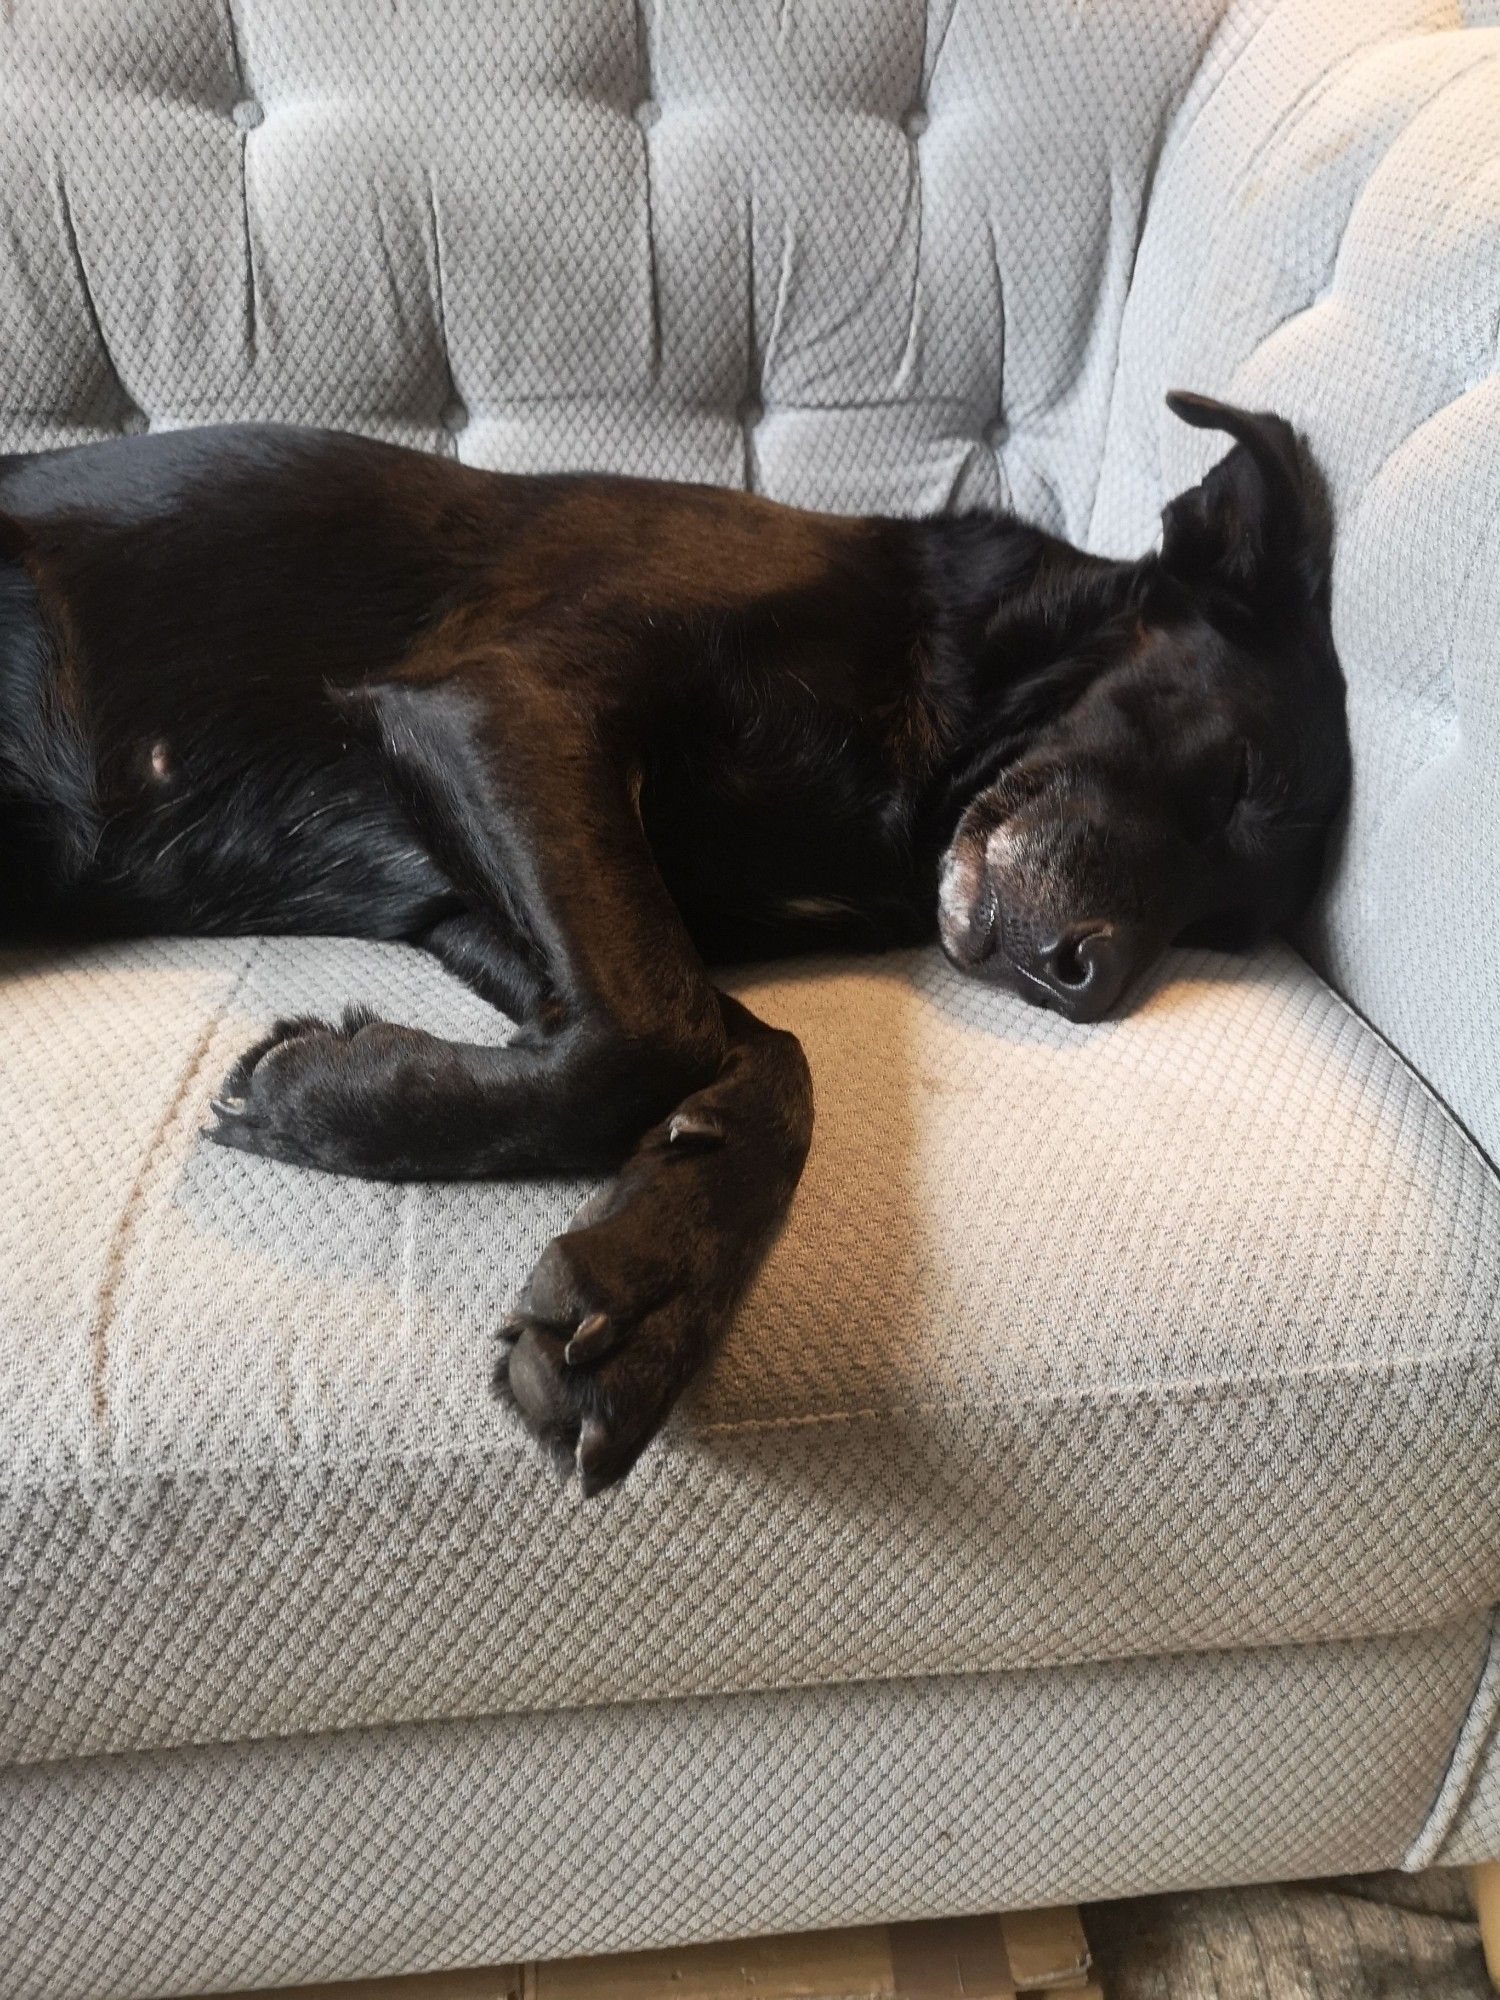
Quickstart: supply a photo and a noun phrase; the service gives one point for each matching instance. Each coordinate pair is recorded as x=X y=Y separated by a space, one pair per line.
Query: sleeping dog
x=578 y=736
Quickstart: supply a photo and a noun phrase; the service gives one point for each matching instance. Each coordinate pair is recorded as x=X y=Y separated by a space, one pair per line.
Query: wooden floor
x=965 y=1958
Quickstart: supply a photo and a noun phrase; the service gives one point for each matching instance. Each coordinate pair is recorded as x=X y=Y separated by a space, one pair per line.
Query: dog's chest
x=806 y=839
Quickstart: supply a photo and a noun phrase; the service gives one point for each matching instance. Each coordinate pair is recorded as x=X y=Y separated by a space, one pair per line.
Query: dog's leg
x=634 y=1053
x=624 y=1307
x=536 y=827
x=500 y=966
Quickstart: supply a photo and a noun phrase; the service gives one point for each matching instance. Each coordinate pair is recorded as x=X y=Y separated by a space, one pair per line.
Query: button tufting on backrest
x=1323 y=241
x=425 y=201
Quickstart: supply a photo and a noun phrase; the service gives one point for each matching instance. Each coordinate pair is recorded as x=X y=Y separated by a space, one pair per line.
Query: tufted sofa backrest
x=853 y=253
x=865 y=254
x=1324 y=239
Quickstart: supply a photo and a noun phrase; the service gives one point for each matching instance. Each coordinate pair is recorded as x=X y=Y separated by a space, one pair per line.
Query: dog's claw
x=592 y=1340
x=594 y=1469
x=231 y=1124
x=694 y=1129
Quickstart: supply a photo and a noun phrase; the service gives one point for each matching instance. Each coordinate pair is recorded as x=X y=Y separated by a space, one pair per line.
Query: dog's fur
x=576 y=736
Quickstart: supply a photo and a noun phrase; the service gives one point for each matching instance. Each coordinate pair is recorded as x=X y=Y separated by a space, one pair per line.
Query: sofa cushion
x=1179 y=1332
x=831 y=252
x=503 y=1838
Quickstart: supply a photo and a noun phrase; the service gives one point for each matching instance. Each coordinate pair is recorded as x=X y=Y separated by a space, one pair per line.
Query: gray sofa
x=1101 y=1489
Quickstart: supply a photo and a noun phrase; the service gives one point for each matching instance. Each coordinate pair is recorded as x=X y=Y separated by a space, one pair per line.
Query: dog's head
x=1185 y=791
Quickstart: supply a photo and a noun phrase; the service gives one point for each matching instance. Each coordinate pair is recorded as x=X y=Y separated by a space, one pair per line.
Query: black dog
x=576 y=735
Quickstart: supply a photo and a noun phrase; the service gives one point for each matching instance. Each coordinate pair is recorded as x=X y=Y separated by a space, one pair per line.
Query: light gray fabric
x=790 y=242
x=1324 y=240
x=1465 y=1821
x=602 y=1829
x=1175 y=1333
x=1476 y=1837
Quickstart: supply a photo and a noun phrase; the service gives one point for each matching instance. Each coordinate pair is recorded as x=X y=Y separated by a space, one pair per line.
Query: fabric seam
x=1175 y=1395
x=114 y=1276
x=760 y=1690
x=1477 y=1731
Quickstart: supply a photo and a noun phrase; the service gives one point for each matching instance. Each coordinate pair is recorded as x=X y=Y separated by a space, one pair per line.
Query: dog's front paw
x=623 y=1309
x=597 y=1352
x=345 y=1096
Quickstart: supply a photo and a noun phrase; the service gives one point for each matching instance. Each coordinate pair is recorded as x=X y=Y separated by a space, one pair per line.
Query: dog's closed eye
x=1214 y=803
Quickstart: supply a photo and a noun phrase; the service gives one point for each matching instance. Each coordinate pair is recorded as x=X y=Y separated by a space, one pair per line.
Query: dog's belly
x=323 y=850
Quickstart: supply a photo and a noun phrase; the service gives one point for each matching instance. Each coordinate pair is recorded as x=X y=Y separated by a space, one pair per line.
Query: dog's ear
x=1246 y=527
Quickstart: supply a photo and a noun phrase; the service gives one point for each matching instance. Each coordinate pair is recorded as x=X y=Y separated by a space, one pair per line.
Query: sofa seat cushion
x=1176 y=1333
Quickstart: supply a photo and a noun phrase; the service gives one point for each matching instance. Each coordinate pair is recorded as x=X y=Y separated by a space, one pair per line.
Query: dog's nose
x=1083 y=968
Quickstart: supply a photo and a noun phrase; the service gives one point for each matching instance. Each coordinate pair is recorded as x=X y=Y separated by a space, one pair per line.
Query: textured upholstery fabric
x=1476 y=1837
x=600 y=1829
x=1171 y=1336
x=1177 y=1333
x=785 y=242
x=1324 y=239
x=1465 y=1821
